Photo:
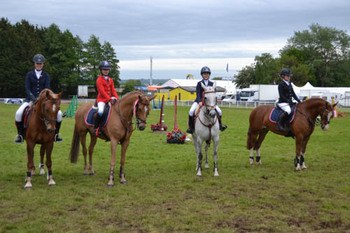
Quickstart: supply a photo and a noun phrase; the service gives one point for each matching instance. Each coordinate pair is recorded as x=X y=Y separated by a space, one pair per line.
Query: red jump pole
x=175 y=121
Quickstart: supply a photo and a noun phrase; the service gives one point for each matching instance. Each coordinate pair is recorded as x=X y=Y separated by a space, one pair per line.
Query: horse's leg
x=215 y=155
x=91 y=151
x=298 y=148
x=30 y=164
x=124 y=145
x=199 y=144
x=251 y=145
x=82 y=137
x=206 y=154
x=49 y=147
x=303 y=149
x=257 y=146
x=41 y=164
x=114 y=144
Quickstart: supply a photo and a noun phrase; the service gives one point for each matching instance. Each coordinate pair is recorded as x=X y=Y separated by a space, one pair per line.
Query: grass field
x=163 y=193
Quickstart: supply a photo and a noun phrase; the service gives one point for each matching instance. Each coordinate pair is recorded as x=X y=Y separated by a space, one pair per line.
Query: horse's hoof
x=123 y=181
x=110 y=185
x=298 y=168
x=206 y=165
x=52 y=183
x=303 y=167
x=42 y=172
x=28 y=186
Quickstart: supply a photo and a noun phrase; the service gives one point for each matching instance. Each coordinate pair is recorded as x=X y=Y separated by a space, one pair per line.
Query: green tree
x=266 y=69
x=93 y=57
x=109 y=55
x=325 y=49
x=130 y=85
x=245 y=77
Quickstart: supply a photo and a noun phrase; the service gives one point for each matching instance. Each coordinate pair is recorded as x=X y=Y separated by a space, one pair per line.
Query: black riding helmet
x=104 y=65
x=286 y=71
x=38 y=58
x=205 y=69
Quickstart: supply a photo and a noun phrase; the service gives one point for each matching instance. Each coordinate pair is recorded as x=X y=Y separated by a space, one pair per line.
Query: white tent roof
x=307 y=86
x=174 y=83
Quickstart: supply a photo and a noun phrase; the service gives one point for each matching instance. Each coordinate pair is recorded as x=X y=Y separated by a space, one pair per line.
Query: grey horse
x=206 y=129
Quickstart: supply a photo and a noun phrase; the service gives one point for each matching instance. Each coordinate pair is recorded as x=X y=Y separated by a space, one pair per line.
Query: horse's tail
x=74 y=150
x=249 y=139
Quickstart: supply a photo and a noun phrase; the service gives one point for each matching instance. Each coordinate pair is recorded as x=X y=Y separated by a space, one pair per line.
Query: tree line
x=69 y=61
x=319 y=55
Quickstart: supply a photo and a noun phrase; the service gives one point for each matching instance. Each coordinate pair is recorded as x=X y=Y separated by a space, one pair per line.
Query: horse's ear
x=333 y=105
x=59 y=95
x=203 y=86
x=214 y=86
x=48 y=94
x=151 y=98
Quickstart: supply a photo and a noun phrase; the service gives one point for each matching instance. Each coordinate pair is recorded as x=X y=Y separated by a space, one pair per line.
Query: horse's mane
x=132 y=93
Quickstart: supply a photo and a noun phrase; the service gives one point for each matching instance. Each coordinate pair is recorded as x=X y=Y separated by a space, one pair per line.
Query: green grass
x=163 y=193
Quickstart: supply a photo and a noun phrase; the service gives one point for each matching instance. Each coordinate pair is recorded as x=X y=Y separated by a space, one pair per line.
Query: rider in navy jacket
x=36 y=81
x=199 y=90
x=34 y=85
x=285 y=102
x=205 y=73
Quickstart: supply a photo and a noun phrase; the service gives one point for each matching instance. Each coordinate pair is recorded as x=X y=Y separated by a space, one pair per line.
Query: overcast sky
x=183 y=35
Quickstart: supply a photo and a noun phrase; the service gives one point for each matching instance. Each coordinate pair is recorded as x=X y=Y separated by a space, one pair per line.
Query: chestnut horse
x=302 y=127
x=42 y=120
x=117 y=130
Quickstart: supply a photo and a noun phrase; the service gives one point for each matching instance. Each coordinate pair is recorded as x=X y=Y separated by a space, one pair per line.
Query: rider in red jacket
x=106 y=92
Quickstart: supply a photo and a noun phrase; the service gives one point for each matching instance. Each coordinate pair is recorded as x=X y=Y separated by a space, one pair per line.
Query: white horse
x=206 y=129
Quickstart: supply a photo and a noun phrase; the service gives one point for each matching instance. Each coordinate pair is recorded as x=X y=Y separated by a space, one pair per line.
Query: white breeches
x=285 y=107
x=19 y=113
x=193 y=108
x=101 y=107
x=195 y=105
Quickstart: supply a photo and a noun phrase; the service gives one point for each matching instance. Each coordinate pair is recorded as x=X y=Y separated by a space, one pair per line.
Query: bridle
x=210 y=125
x=44 y=118
x=138 y=120
x=316 y=122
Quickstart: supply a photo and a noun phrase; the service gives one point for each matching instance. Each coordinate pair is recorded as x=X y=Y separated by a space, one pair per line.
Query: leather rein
x=129 y=123
x=210 y=125
x=44 y=118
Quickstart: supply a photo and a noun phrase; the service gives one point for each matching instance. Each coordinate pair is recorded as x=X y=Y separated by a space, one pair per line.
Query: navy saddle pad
x=275 y=112
x=89 y=119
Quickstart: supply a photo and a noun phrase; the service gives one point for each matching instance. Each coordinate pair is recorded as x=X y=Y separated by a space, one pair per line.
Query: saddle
x=275 y=112
x=91 y=115
x=274 y=117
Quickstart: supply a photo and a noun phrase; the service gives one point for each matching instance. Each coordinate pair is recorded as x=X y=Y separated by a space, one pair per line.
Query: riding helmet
x=286 y=71
x=104 y=65
x=205 y=69
x=38 y=58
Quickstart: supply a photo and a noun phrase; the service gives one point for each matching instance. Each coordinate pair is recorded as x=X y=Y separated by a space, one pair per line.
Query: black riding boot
x=190 y=125
x=57 y=132
x=19 y=137
x=97 y=129
x=222 y=127
x=281 y=121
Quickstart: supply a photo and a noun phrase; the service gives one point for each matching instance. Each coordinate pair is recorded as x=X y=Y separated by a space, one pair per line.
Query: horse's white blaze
x=54 y=107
